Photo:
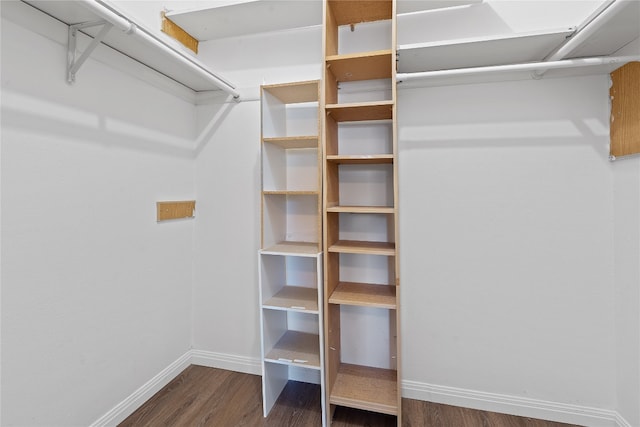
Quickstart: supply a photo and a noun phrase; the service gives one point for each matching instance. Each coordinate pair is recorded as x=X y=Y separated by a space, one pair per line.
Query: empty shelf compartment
x=296 y=348
x=363 y=387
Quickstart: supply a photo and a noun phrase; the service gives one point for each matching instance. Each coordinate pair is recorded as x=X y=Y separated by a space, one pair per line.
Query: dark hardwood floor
x=202 y=396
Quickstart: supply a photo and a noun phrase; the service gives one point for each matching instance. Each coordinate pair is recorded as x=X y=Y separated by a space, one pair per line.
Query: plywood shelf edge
x=293 y=142
x=291 y=192
x=363 y=387
x=361 y=111
x=365 y=295
x=309 y=249
x=361 y=209
x=362 y=247
x=362 y=159
x=294 y=93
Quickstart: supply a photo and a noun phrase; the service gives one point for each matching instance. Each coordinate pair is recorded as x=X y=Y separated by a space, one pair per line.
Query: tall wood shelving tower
x=360 y=206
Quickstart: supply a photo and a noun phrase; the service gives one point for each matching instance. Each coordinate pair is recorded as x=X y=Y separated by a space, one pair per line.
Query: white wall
x=506 y=239
x=227 y=238
x=627 y=277
x=225 y=316
x=627 y=256
x=278 y=57
x=514 y=244
x=96 y=296
x=506 y=231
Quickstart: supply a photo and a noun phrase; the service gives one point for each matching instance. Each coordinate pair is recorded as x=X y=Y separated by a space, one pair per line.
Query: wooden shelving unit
x=360 y=200
x=291 y=291
x=291 y=155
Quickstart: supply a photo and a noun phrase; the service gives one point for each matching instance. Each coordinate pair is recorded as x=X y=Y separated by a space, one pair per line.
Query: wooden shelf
x=362 y=209
x=291 y=193
x=361 y=159
x=294 y=298
x=355 y=11
x=361 y=66
x=371 y=389
x=360 y=247
x=296 y=348
x=310 y=249
x=293 y=142
x=364 y=294
x=294 y=93
x=362 y=111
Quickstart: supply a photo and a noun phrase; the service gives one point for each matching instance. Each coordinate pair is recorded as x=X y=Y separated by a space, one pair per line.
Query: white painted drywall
x=506 y=230
x=227 y=238
x=279 y=57
x=96 y=296
x=626 y=199
x=511 y=208
x=226 y=315
x=506 y=239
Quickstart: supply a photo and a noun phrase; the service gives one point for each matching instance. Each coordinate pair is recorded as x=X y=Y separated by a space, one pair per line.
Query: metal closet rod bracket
x=73 y=63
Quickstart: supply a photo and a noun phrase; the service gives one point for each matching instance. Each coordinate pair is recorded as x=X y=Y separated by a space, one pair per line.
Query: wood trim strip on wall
x=625 y=110
x=177 y=32
x=175 y=210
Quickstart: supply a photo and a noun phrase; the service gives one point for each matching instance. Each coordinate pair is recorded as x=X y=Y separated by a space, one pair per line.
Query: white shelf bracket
x=73 y=63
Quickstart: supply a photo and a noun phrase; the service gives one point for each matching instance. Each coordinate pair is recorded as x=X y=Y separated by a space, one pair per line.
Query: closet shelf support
x=73 y=63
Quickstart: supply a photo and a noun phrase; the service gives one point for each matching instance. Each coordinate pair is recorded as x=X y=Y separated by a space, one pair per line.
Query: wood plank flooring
x=202 y=396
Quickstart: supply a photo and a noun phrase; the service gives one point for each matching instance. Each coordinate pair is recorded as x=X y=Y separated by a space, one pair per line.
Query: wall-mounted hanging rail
x=109 y=19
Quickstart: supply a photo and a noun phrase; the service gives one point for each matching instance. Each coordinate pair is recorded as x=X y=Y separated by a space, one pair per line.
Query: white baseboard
x=533 y=408
x=621 y=421
x=210 y=359
x=521 y=406
x=125 y=408
x=231 y=362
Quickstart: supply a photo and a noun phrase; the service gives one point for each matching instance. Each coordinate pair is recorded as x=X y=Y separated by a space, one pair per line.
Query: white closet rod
x=546 y=65
x=129 y=27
